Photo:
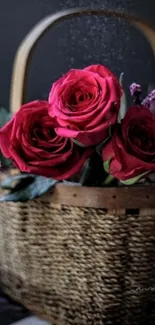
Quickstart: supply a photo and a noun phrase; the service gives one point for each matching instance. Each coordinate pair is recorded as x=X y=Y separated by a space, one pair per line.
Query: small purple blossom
x=149 y=101
x=135 y=89
x=146 y=102
x=152 y=95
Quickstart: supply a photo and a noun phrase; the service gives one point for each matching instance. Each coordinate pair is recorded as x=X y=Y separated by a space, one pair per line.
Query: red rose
x=86 y=102
x=131 y=151
x=30 y=141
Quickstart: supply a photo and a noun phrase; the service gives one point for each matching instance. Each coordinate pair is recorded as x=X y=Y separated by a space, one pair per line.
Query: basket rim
x=136 y=197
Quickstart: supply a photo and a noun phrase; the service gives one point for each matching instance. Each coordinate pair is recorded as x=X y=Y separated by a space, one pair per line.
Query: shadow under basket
x=80 y=256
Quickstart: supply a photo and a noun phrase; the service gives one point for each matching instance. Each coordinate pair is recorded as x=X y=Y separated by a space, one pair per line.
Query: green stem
x=108 y=180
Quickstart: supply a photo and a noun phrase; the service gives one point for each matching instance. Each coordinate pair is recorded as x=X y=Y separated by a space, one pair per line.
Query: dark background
x=75 y=43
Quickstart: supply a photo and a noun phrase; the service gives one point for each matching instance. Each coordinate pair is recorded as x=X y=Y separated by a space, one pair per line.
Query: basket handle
x=26 y=48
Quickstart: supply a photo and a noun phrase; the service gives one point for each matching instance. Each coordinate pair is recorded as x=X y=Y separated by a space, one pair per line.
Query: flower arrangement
x=84 y=133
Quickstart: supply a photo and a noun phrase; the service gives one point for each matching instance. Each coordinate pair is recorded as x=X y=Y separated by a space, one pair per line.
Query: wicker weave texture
x=79 y=266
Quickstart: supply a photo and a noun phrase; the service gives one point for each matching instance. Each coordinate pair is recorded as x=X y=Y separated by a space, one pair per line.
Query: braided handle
x=27 y=46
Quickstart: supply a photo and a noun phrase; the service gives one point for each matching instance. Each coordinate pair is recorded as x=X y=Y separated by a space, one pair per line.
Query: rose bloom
x=30 y=141
x=131 y=151
x=86 y=102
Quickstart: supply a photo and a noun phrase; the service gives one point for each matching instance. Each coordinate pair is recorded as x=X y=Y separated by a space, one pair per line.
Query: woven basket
x=80 y=256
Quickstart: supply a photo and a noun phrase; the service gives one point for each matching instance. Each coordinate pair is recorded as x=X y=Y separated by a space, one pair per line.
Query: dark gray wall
x=76 y=43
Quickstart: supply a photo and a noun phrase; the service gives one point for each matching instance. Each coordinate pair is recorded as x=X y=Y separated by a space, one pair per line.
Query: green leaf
x=68 y=183
x=121 y=78
x=5 y=116
x=101 y=145
x=133 y=180
x=79 y=144
x=106 y=166
x=123 y=105
x=32 y=187
x=9 y=183
x=86 y=172
x=109 y=179
x=5 y=163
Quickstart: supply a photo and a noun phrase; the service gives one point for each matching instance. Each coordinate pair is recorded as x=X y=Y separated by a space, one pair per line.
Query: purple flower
x=152 y=95
x=149 y=101
x=146 y=102
x=135 y=89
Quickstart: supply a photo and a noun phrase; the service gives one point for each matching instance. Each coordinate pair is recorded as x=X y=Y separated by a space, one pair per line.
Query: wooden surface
x=105 y=198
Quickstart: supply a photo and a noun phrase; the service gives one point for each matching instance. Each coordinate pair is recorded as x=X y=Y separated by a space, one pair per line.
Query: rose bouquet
x=84 y=133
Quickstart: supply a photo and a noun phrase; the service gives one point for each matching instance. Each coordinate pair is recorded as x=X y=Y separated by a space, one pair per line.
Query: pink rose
x=85 y=103
x=29 y=139
x=131 y=151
